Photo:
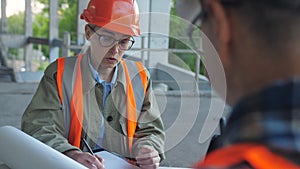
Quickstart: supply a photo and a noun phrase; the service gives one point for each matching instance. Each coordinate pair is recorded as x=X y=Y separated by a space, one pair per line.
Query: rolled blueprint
x=21 y=151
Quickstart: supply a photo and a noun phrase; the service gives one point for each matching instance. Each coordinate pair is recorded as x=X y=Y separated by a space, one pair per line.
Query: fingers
x=99 y=158
x=148 y=158
x=94 y=161
x=151 y=163
x=153 y=166
x=86 y=159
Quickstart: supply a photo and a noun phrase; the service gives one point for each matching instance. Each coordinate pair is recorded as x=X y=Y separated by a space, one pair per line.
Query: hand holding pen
x=88 y=159
x=87 y=146
x=97 y=161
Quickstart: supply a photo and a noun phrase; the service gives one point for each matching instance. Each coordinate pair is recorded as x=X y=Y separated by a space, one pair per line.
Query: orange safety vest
x=77 y=107
x=258 y=156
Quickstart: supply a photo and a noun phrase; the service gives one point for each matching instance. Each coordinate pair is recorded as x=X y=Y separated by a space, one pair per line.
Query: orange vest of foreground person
x=76 y=104
x=257 y=156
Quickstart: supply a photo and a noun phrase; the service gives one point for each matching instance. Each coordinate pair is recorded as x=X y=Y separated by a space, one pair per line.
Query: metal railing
x=66 y=46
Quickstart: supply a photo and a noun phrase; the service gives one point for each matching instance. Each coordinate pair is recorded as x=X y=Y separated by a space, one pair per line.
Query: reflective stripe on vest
x=135 y=98
x=132 y=103
x=76 y=104
x=258 y=156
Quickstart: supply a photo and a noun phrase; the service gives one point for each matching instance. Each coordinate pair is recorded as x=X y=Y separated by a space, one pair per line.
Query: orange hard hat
x=116 y=15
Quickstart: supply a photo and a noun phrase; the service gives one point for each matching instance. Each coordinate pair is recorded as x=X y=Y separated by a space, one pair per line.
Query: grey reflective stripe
x=137 y=85
x=67 y=89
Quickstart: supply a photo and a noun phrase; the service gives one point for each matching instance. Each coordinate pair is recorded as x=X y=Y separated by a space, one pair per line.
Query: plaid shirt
x=270 y=117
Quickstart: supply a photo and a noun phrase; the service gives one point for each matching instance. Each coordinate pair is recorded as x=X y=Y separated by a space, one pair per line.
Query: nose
x=114 y=49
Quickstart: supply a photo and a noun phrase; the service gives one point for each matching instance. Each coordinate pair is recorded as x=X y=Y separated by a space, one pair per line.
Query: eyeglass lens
x=124 y=44
x=106 y=41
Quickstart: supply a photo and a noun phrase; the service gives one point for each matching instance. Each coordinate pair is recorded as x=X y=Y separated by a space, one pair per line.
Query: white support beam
x=3 y=57
x=53 y=29
x=66 y=44
x=81 y=5
x=3 y=17
x=28 y=33
x=154 y=23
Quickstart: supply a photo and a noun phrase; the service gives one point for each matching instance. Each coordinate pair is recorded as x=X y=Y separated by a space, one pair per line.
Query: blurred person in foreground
x=98 y=96
x=258 y=45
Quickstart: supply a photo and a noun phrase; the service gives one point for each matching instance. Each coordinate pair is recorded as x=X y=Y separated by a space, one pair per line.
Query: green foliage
x=176 y=30
x=179 y=40
x=41 y=29
x=173 y=10
x=43 y=66
x=16 y=23
x=41 y=25
x=188 y=58
x=68 y=20
x=67 y=17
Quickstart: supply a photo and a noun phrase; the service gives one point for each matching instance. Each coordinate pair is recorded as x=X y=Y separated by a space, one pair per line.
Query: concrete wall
x=177 y=78
x=155 y=19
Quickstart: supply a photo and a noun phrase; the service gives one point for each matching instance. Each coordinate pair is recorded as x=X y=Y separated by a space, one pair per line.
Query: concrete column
x=81 y=5
x=53 y=29
x=28 y=33
x=66 y=44
x=3 y=57
x=154 y=24
x=3 y=17
x=159 y=29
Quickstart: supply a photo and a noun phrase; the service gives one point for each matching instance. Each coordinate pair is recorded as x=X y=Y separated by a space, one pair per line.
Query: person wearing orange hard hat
x=98 y=99
x=258 y=47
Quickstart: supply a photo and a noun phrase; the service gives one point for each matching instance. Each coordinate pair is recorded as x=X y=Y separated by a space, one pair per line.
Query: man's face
x=222 y=29
x=212 y=43
x=107 y=47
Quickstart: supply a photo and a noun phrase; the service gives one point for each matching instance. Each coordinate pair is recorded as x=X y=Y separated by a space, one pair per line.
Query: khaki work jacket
x=45 y=119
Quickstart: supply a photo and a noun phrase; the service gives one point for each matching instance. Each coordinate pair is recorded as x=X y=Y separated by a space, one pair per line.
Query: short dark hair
x=272 y=21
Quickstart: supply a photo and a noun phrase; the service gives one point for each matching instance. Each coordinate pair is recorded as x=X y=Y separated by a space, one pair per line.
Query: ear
x=88 y=32
x=222 y=28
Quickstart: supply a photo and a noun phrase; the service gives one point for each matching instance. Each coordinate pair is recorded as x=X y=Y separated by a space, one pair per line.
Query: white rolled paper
x=21 y=151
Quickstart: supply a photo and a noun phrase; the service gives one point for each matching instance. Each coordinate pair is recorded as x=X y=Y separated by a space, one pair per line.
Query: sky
x=15 y=6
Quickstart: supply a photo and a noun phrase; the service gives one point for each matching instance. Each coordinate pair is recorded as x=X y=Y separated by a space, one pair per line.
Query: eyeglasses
x=280 y=4
x=203 y=14
x=194 y=28
x=107 y=41
x=196 y=24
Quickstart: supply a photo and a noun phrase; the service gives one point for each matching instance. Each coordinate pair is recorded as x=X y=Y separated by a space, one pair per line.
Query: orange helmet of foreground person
x=117 y=15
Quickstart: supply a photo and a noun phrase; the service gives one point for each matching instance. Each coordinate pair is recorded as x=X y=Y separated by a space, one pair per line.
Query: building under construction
x=184 y=96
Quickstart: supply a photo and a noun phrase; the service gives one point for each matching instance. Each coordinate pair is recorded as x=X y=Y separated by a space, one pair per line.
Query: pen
x=87 y=146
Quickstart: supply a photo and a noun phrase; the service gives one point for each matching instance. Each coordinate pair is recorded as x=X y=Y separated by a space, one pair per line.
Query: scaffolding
x=26 y=41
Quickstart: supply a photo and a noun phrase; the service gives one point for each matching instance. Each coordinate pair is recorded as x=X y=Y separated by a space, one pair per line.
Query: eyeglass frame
x=131 y=39
x=278 y=4
x=193 y=25
x=202 y=15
